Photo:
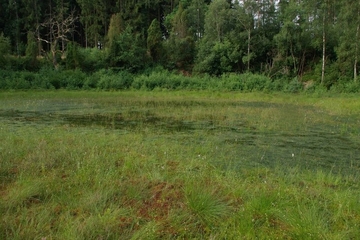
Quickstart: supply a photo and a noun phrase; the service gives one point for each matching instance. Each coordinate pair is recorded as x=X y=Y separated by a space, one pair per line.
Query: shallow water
x=238 y=133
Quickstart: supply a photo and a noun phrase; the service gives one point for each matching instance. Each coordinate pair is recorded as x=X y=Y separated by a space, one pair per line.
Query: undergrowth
x=161 y=79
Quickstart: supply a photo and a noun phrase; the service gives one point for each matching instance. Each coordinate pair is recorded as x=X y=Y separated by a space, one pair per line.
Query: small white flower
x=293 y=155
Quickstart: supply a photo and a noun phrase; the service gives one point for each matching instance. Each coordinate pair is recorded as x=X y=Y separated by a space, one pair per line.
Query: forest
x=296 y=42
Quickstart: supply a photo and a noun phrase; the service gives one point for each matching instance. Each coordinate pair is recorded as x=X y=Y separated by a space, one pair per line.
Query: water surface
x=236 y=133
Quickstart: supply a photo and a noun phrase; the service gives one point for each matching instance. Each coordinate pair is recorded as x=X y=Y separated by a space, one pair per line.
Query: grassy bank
x=181 y=165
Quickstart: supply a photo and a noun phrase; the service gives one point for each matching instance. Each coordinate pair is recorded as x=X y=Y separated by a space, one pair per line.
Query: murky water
x=244 y=135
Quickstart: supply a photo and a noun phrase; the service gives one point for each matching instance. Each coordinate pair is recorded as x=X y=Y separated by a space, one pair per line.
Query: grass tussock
x=68 y=181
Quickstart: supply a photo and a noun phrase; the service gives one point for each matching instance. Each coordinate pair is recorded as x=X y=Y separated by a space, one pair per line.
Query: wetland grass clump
x=228 y=173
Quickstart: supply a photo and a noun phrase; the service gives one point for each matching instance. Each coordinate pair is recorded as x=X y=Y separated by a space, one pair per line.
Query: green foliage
x=4 y=50
x=282 y=39
x=217 y=20
x=31 y=52
x=74 y=59
x=180 y=46
x=294 y=86
x=95 y=18
x=63 y=79
x=154 y=41
x=159 y=80
x=249 y=82
x=115 y=29
x=348 y=49
x=217 y=58
x=93 y=59
x=127 y=52
x=115 y=81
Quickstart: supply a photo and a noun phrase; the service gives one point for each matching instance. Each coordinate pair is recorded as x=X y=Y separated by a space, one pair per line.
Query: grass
x=178 y=165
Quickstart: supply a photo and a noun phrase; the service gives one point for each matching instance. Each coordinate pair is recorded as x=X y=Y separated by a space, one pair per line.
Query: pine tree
x=154 y=41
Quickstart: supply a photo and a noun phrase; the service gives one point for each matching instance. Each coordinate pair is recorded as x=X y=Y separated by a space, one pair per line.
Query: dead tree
x=60 y=28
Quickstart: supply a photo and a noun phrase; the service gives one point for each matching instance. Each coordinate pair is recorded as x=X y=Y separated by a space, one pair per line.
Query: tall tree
x=321 y=22
x=196 y=18
x=349 y=47
x=245 y=15
x=15 y=24
x=4 y=50
x=154 y=41
x=180 y=46
x=115 y=28
x=32 y=11
x=94 y=19
x=294 y=40
x=216 y=18
x=266 y=27
x=218 y=51
x=32 y=50
x=128 y=51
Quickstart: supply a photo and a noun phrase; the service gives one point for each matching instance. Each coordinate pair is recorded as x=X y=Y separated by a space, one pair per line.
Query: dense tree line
x=314 y=40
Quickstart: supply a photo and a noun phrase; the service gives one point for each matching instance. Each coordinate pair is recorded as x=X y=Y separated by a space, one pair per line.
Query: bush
x=245 y=82
x=16 y=80
x=159 y=79
x=255 y=82
x=109 y=80
x=73 y=79
x=93 y=59
x=232 y=82
x=294 y=86
x=348 y=87
x=69 y=79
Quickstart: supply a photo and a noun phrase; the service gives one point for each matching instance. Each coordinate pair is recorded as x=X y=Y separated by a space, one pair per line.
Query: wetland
x=178 y=165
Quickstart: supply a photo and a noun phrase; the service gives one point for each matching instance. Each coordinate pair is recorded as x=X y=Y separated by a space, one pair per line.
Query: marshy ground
x=150 y=165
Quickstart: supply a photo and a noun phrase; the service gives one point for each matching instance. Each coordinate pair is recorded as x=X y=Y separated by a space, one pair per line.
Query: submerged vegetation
x=181 y=165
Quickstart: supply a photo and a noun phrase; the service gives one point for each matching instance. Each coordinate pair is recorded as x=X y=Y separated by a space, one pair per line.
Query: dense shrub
x=93 y=59
x=69 y=79
x=16 y=80
x=231 y=82
x=346 y=86
x=159 y=78
x=255 y=82
x=294 y=86
x=247 y=82
x=116 y=81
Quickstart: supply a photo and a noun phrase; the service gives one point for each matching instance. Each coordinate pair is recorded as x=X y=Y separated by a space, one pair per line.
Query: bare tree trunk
x=86 y=34
x=323 y=52
x=356 y=53
x=53 y=53
x=37 y=29
x=38 y=37
x=51 y=29
x=294 y=59
x=248 y=49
